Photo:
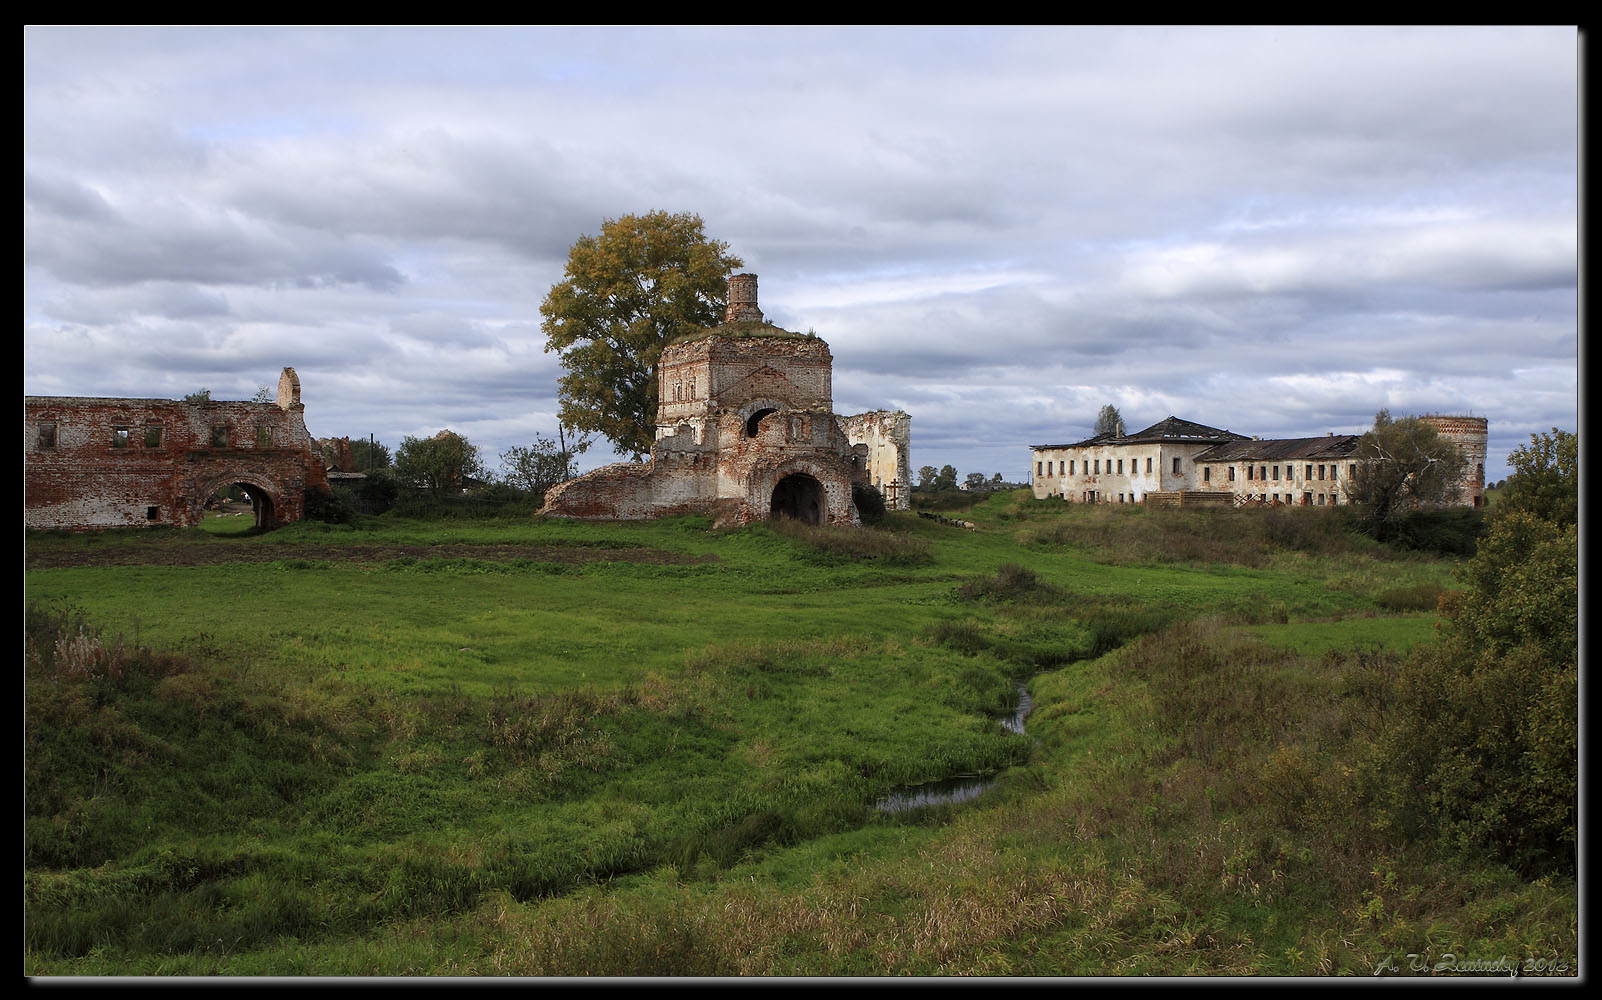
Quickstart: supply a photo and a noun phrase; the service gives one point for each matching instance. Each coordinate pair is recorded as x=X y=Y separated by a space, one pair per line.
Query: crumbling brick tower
x=745 y=429
x=1470 y=434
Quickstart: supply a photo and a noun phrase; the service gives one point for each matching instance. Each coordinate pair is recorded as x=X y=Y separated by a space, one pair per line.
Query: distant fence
x=1176 y=499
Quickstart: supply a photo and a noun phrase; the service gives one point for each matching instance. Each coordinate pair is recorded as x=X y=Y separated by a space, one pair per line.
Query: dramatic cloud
x=1279 y=231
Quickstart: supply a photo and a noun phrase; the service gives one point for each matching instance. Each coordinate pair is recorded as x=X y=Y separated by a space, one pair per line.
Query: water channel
x=960 y=787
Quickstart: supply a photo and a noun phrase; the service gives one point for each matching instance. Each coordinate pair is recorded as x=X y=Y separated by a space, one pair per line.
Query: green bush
x=1482 y=750
x=1452 y=531
x=869 y=502
x=327 y=507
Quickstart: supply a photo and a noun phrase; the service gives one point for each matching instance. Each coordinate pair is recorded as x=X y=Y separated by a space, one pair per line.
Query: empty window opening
x=153 y=436
x=1232 y=473
x=47 y=435
x=1148 y=466
x=1120 y=472
x=264 y=436
x=1207 y=473
x=1176 y=466
x=219 y=435
x=752 y=424
x=152 y=513
x=119 y=437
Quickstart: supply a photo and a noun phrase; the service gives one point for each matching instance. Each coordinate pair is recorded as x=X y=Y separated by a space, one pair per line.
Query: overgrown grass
x=474 y=766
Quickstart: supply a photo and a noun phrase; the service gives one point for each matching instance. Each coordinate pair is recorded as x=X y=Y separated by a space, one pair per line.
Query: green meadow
x=511 y=746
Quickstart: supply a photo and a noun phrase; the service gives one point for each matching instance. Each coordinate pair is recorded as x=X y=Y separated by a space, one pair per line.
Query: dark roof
x=1331 y=446
x=1171 y=429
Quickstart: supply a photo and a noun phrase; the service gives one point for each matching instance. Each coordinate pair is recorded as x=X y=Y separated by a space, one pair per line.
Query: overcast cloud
x=1277 y=231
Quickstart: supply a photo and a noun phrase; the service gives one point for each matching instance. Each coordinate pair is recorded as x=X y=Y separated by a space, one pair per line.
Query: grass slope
x=482 y=764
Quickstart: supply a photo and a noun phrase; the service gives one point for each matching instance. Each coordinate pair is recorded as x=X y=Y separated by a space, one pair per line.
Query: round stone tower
x=742 y=300
x=1470 y=434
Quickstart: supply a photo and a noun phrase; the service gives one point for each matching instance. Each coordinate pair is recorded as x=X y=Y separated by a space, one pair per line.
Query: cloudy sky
x=1276 y=231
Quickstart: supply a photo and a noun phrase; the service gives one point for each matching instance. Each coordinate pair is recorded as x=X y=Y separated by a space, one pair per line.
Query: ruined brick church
x=746 y=429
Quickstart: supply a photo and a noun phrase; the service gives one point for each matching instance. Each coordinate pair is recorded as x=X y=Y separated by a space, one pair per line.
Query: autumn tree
x=437 y=464
x=1400 y=464
x=1109 y=421
x=626 y=295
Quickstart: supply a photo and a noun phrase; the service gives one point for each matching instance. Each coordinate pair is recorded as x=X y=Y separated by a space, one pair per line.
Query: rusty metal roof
x=1331 y=446
x=1172 y=429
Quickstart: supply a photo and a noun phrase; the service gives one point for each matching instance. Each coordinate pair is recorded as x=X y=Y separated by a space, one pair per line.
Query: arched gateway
x=798 y=496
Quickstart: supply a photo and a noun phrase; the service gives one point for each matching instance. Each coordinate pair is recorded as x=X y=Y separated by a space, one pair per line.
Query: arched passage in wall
x=800 y=496
x=232 y=493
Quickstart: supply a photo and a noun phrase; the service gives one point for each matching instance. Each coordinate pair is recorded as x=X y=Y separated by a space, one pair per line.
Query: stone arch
x=266 y=498
x=831 y=501
x=798 y=495
x=751 y=413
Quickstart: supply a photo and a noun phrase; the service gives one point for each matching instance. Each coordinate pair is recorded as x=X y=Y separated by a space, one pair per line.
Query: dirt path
x=222 y=552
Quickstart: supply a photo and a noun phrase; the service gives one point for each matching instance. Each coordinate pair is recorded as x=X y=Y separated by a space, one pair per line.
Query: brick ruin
x=91 y=463
x=745 y=429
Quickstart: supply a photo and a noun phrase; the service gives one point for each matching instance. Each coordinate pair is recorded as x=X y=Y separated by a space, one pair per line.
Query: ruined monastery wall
x=96 y=462
x=888 y=437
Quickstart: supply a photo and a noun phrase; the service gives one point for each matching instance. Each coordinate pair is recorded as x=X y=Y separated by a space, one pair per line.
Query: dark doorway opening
x=799 y=496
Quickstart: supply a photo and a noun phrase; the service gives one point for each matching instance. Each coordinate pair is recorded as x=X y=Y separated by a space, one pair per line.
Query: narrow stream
x=960 y=787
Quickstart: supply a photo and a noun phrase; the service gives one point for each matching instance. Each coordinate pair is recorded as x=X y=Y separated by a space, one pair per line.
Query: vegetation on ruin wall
x=486 y=746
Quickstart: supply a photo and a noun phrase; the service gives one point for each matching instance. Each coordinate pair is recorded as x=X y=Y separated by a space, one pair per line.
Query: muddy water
x=957 y=788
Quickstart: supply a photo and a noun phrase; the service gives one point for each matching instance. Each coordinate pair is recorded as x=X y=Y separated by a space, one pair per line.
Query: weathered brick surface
x=888 y=437
x=745 y=423
x=1471 y=435
x=92 y=462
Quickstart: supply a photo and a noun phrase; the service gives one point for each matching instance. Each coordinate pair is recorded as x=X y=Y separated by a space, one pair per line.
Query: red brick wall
x=138 y=462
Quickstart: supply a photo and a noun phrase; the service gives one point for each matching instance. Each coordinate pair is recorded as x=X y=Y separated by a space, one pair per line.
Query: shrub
x=836 y=544
x=1011 y=582
x=327 y=506
x=869 y=502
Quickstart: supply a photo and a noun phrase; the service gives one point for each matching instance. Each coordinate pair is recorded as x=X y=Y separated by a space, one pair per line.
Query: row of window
x=1115 y=467
x=1265 y=473
x=150 y=435
x=1272 y=473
